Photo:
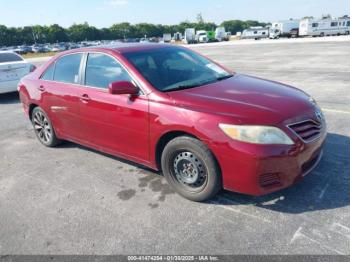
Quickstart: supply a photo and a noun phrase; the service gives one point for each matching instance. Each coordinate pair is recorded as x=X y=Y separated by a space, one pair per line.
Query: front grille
x=308 y=130
x=270 y=179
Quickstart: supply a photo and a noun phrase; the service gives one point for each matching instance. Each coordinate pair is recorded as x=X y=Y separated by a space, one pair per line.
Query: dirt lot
x=72 y=200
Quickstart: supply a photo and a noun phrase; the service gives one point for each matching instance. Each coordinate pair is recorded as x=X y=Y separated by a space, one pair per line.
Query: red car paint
x=132 y=127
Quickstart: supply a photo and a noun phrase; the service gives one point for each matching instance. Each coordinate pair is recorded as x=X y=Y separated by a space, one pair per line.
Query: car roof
x=123 y=47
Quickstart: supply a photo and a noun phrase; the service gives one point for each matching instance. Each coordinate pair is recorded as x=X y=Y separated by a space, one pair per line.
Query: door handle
x=41 y=88
x=85 y=98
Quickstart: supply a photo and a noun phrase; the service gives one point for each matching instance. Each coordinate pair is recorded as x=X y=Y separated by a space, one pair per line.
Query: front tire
x=43 y=128
x=191 y=169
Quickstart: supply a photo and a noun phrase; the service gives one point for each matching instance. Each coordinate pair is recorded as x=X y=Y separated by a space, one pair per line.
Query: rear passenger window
x=101 y=70
x=67 y=69
x=48 y=75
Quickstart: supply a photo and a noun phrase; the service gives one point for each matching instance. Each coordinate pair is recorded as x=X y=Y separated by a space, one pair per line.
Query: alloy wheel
x=42 y=127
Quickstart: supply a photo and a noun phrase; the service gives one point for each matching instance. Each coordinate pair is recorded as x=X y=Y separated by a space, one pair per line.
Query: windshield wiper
x=181 y=87
x=224 y=77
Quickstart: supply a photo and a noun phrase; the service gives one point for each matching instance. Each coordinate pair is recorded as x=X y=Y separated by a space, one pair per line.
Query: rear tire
x=43 y=128
x=191 y=169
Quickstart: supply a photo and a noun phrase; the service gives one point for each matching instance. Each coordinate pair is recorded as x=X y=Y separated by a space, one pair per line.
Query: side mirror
x=123 y=87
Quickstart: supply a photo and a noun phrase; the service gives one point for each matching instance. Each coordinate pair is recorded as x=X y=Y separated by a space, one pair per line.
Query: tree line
x=10 y=36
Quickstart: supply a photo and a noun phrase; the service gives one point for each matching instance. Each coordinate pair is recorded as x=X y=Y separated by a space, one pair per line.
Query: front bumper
x=261 y=169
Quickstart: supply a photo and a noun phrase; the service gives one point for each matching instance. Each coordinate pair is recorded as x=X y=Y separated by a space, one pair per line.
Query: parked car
x=144 y=40
x=21 y=50
x=171 y=109
x=38 y=49
x=58 y=48
x=12 y=68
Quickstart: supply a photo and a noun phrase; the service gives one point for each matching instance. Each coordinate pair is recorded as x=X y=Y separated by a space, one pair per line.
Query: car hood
x=248 y=99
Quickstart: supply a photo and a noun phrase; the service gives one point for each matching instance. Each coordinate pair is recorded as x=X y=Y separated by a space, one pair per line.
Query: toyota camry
x=166 y=107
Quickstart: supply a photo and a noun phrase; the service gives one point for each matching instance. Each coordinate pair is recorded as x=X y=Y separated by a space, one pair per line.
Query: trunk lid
x=13 y=71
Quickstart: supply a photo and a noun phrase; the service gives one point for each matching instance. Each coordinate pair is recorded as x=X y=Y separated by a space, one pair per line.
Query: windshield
x=174 y=68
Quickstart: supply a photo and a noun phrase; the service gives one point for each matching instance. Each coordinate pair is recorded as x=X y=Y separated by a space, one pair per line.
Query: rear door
x=59 y=87
x=115 y=123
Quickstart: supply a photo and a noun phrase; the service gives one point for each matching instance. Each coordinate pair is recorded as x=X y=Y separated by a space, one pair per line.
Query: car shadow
x=68 y=144
x=9 y=98
x=327 y=187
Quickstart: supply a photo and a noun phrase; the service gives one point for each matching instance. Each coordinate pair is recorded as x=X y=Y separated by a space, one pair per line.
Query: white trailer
x=283 y=28
x=324 y=27
x=167 y=38
x=256 y=33
x=221 y=34
x=190 y=36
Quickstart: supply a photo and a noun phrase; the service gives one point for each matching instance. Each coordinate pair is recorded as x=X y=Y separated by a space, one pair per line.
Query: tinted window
x=174 y=68
x=67 y=69
x=101 y=70
x=348 y=24
x=9 y=57
x=48 y=75
x=334 y=24
x=314 y=24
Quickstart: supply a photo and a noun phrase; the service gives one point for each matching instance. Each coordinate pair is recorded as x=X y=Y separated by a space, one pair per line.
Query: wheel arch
x=164 y=140
x=30 y=109
x=170 y=135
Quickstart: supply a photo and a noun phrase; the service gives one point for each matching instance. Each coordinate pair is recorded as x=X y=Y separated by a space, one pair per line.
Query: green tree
x=122 y=30
x=83 y=32
x=56 y=33
x=4 y=36
x=235 y=26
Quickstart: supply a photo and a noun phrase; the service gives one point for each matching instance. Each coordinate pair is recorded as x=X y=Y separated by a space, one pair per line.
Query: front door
x=116 y=124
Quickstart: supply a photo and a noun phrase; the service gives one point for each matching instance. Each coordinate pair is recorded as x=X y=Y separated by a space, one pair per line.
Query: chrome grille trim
x=308 y=130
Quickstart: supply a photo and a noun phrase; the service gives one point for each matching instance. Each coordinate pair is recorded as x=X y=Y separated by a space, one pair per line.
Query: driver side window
x=101 y=70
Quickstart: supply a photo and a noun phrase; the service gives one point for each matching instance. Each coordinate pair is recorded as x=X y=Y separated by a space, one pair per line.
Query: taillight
x=32 y=68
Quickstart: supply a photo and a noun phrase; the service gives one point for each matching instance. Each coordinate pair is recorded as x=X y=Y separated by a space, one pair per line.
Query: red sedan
x=171 y=109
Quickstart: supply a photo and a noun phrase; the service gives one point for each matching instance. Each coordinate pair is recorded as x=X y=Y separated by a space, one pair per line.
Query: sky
x=104 y=13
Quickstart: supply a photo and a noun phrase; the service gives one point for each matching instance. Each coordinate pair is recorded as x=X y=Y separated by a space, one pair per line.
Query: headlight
x=256 y=134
